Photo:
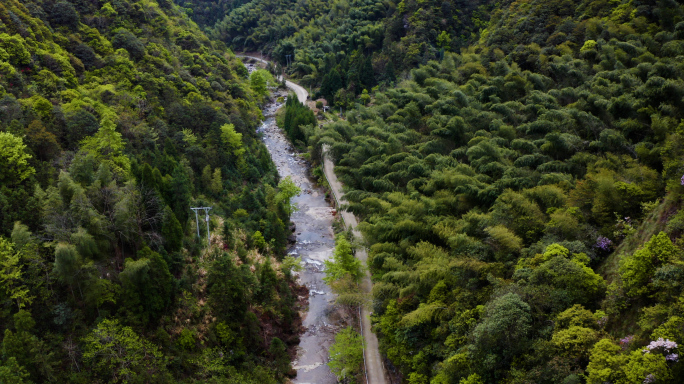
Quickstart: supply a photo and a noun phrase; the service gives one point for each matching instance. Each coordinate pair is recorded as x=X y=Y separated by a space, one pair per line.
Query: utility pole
x=196 y=219
x=206 y=217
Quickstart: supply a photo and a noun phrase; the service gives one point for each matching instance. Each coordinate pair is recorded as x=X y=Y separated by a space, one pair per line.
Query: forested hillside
x=522 y=199
x=348 y=46
x=116 y=117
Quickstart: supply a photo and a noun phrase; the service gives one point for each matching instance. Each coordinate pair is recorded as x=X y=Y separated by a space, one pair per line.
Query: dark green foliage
x=352 y=37
x=78 y=126
x=297 y=117
x=147 y=285
x=172 y=231
x=228 y=286
x=64 y=13
x=123 y=38
x=179 y=193
x=330 y=84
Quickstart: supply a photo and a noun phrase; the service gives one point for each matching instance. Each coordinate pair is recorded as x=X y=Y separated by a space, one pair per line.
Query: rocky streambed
x=314 y=244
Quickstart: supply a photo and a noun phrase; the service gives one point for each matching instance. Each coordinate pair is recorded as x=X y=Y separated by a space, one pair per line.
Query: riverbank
x=314 y=244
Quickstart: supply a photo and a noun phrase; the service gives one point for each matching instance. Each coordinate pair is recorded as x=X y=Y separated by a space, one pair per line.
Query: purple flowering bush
x=665 y=347
x=603 y=243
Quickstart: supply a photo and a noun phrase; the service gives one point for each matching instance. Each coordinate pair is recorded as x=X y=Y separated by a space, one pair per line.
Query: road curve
x=301 y=93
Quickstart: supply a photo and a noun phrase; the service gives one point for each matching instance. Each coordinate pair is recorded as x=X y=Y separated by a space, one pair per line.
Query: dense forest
x=344 y=47
x=520 y=191
x=517 y=166
x=117 y=117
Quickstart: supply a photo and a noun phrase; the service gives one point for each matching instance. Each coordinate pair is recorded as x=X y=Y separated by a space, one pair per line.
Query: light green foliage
x=11 y=280
x=257 y=80
x=575 y=341
x=216 y=184
x=13 y=373
x=346 y=355
x=287 y=190
x=637 y=270
x=575 y=316
x=578 y=282
x=343 y=263
x=187 y=339
x=472 y=379
x=15 y=46
x=444 y=40
x=608 y=363
x=107 y=10
x=670 y=330
x=14 y=166
x=291 y=263
x=117 y=354
x=588 y=45
x=21 y=236
x=107 y=146
x=258 y=240
x=234 y=141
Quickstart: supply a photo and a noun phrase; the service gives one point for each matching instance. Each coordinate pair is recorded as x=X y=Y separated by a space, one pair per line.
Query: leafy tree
x=11 y=280
x=287 y=190
x=64 y=13
x=27 y=349
x=147 y=285
x=79 y=125
x=228 y=295
x=505 y=327
x=179 y=189
x=43 y=143
x=14 y=159
x=346 y=355
x=107 y=146
x=331 y=83
x=117 y=354
x=68 y=264
x=123 y=38
x=13 y=373
x=172 y=232
x=343 y=263
x=637 y=270
x=575 y=282
x=258 y=83
x=278 y=352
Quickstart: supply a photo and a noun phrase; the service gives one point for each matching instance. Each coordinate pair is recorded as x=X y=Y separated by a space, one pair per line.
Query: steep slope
x=494 y=182
x=366 y=42
x=116 y=118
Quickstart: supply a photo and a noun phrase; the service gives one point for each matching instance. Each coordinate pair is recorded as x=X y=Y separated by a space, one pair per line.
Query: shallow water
x=315 y=243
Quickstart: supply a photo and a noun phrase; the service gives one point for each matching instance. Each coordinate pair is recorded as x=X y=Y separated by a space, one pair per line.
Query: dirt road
x=301 y=93
x=374 y=370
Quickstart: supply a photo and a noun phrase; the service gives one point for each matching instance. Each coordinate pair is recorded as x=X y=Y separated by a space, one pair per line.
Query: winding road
x=375 y=374
x=301 y=93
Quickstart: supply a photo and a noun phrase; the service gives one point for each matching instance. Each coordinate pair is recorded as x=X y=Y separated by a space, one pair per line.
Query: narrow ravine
x=314 y=244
